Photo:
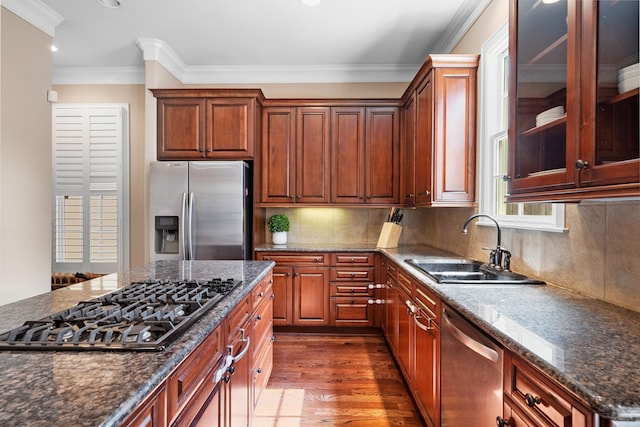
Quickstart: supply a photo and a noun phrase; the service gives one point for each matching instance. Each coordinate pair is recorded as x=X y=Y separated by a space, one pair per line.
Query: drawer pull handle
x=259 y=317
x=501 y=422
x=261 y=294
x=532 y=400
x=273 y=296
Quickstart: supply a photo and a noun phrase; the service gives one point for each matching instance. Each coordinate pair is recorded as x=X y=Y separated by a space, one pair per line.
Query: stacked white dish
x=549 y=115
x=629 y=78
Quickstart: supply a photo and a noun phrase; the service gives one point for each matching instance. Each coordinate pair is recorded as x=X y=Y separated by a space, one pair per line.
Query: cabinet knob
x=506 y=178
x=259 y=370
x=259 y=317
x=532 y=400
x=273 y=296
x=352 y=301
x=501 y=422
x=581 y=164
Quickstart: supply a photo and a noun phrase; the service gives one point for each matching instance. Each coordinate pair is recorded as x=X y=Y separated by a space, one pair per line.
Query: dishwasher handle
x=469 y=342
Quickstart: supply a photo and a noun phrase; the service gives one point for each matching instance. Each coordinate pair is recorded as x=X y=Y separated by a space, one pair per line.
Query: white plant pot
x=279 y=237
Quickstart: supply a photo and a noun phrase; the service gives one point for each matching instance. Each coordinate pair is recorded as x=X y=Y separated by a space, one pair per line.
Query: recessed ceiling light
x=54 y=48
x=113 y=4
x=310 y=2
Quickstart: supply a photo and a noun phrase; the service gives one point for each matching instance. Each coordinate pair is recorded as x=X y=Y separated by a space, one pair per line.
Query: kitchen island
x=101 y=388
x=589 y=347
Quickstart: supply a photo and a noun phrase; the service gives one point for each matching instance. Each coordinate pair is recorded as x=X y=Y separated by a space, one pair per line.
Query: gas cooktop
x=145 y=315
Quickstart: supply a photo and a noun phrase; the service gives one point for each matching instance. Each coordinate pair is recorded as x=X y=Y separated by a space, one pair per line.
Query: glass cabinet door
x=610 y=137
x=539 y=127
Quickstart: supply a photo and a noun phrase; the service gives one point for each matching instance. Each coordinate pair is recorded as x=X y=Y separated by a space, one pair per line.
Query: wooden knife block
x=389 y=235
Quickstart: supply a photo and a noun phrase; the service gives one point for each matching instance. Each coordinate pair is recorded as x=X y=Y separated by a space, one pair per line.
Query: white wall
x=25 y=159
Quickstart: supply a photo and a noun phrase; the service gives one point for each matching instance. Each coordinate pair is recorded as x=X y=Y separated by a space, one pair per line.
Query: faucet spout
x=472 y=217
x=495 y=258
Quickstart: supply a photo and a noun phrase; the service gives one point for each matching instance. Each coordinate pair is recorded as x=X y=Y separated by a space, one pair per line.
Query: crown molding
x=98 y=76
x=36 y=13
x=157 y=50
x=464 y=18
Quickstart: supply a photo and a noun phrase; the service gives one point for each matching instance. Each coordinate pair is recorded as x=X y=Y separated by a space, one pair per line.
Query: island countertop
x=589 y=346
x=101 y=388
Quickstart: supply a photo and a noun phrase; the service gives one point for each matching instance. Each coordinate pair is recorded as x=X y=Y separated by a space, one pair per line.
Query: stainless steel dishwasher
x=470 y=372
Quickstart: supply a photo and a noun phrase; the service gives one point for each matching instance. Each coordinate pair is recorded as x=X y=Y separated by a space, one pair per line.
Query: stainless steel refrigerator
x=200 y=210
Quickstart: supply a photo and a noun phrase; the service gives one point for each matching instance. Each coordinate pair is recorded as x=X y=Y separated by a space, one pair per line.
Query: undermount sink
x=460 y=270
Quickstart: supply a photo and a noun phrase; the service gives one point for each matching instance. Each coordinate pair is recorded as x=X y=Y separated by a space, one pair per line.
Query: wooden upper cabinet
x=347 y=154
x=408 y=157
x=382 y=155
x=439 y=133
x=312 y=155
x=590 y=148
x=180 y=128
x=365 y=155
x=278 y=155
x=200 y=124
x=230 y=125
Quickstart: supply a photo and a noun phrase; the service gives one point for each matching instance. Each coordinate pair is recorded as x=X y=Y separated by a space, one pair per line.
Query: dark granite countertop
x=101 y=388
x=589 y=346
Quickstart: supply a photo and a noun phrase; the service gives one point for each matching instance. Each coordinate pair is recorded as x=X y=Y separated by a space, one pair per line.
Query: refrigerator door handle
x=183 y=225
x=190 y=229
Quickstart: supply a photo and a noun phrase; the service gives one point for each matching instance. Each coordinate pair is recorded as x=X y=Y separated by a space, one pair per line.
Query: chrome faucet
x=495 y=257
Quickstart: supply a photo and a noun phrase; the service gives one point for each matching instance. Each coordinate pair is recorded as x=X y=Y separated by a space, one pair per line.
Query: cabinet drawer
x=188 y=377
x=295 y=258
x=543 y=401
x=428 y=301
x=352 y=259
x=262 y=325
x=262 y=291
x=262 y=369
x=405 y=283
x=392 y=271
x=350 y=289
x=365 y=274
x=238 y=318
x=354 y=311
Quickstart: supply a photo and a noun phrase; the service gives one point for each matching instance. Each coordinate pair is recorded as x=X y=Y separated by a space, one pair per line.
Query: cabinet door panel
x=454 y=142
x=347 y=155
x=423 y=143
x=282 y=291
x=409 y=151
x=311 y=296
x=230 y=127
x=278 y=155
x=312 y=155
x=427 y=370
x=181 y=128
x=382 y=156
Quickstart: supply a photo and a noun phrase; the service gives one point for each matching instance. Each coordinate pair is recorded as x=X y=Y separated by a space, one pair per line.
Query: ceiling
x=261 y=41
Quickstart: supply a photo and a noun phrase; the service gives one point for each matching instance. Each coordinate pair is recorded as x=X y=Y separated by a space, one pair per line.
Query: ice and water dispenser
x=167 y=235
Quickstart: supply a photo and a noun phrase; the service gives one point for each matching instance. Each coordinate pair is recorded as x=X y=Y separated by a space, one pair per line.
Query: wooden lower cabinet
x=530 y=395
x=300 y=288
x=152 y=412
x=310 y=296
x=412 y=330
x=190 y=396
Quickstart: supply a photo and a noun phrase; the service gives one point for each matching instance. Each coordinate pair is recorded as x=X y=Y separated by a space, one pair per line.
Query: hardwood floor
x=325 y=380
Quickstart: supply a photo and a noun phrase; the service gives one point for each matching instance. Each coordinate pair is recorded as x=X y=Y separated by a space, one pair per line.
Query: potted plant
x=279 y=225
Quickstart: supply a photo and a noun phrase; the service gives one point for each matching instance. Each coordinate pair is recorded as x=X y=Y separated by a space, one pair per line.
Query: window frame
x=493 y=53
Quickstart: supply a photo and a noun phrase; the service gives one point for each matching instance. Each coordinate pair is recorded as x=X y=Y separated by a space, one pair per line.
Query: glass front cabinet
x=573 y=119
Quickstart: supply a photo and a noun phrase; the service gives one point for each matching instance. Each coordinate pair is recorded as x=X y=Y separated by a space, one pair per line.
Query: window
x=495 y=143
x=90 y=188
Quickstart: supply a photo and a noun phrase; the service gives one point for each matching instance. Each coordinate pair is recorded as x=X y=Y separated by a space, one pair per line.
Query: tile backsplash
x=598 y=256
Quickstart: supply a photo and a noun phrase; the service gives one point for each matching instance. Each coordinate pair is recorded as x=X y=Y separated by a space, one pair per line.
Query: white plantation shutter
x=89 y=175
